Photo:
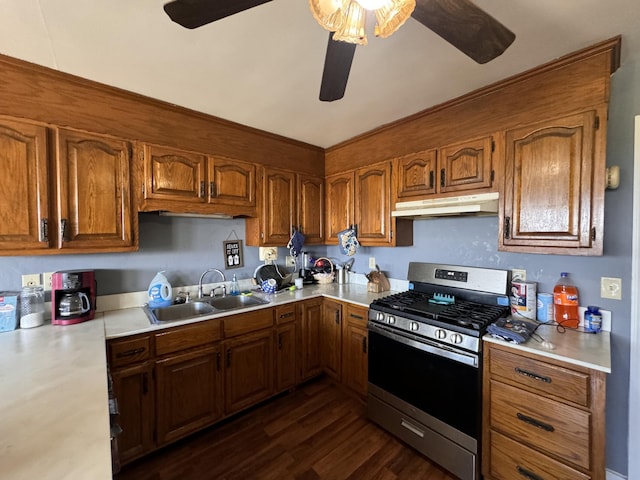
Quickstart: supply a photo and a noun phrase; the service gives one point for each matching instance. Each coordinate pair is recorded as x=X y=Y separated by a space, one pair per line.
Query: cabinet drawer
x=542 y=377
x=511 y=460
x=188 y=336
x=356 y=316
x=285 y=313
x=129 y=350
x=551 y=426
x=248 y=322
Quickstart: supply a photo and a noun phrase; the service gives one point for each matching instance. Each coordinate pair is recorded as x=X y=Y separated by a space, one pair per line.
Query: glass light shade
x=330 y=14
x=352 y=31
x=373 y=4
x=391 y=16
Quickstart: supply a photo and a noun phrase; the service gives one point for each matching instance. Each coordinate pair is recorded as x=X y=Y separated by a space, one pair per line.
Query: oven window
x=445 y=389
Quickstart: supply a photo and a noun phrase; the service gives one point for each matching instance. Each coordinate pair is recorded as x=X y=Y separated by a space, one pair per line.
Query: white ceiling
x=262 y=67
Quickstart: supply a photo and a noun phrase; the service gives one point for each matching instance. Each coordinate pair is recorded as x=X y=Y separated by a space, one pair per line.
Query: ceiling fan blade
x=465 y=26
x=337 y=65
x=195 y=13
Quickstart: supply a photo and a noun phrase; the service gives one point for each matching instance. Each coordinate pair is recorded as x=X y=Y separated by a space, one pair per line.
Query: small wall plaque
x=233 y=254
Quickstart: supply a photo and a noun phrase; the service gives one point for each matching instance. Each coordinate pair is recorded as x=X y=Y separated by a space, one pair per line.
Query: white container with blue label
x=160 y=293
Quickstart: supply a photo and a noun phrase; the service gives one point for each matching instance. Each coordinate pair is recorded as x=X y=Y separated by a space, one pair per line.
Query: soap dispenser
x=235 y=289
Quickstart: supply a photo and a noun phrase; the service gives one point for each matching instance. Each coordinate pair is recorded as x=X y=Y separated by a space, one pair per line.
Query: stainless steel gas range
x=425 y=360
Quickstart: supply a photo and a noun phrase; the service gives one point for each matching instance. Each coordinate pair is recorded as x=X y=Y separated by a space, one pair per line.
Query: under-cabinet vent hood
x=479 y=204
x=195 y=215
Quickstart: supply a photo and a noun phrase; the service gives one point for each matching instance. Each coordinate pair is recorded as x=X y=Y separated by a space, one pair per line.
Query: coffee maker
x=73 y=296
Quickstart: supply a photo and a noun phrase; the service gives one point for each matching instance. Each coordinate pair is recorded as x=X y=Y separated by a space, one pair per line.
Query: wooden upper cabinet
x=339 y=203
x=465 y=167
x=172 y=174
x=191 y=182
x=373 y=204
x=24 y=204
x=232 y=182
x=93 y=192
x=554 y=187
x=311 y=208
x=276 y=210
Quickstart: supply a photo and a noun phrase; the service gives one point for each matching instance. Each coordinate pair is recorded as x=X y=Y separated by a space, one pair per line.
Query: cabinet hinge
x=507 y=227
x=493 y=175
x=44 y=230
x=596 y=124
x=391 y=234
x=593 y=233
x=493 y=146
x=142 y=188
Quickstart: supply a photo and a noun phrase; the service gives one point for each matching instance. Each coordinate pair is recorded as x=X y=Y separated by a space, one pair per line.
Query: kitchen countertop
x=590 y=350
x=54 y=418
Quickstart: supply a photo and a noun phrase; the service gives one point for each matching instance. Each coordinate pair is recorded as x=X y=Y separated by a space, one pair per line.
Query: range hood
x=479 y=204
x=163 y=213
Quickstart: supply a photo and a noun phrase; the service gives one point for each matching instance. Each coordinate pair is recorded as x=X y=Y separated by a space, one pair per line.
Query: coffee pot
x=75 y=303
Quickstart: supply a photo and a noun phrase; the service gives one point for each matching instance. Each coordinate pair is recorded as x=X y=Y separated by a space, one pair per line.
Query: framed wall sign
x=233 y=254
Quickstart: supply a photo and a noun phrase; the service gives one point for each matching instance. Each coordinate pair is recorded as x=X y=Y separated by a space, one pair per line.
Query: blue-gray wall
x=184 y=247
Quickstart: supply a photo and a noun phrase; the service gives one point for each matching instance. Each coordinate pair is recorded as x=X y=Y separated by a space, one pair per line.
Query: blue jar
x=592 y=319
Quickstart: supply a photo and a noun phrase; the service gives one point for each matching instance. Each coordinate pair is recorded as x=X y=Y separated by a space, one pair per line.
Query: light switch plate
x=372 y=263
x=611 y=288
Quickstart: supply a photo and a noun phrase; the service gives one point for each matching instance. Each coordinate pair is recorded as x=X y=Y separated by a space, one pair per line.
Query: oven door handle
x=426 y=345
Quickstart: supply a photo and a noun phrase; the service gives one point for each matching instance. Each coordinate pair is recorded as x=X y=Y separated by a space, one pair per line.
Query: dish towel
x=348 y=242
x=296 y=242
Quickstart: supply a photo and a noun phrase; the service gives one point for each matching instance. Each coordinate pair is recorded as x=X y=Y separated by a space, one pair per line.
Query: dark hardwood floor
x=315 y=432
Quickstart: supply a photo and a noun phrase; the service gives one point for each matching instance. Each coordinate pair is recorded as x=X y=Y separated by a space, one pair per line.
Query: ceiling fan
x=460 y=22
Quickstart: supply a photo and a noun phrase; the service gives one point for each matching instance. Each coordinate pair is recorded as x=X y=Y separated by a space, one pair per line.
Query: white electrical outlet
x=611 y=288
x=46 y=281
x=31 y=280
x=518 y=274
x=372 y=263
x=268 y=254
x=290 y=261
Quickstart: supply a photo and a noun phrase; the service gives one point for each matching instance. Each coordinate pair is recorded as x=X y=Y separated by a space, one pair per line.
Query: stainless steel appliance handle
x=426 y=345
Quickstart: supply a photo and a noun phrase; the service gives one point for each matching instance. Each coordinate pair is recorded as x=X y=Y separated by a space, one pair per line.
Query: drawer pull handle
x=130 y=353
x=412 y=428
x=286 y=315
x=535 y=423
x=527 y=474
x=532 y=375
x=359 y=317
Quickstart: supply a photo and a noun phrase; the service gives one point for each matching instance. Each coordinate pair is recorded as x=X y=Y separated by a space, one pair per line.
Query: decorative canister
x=31 y=307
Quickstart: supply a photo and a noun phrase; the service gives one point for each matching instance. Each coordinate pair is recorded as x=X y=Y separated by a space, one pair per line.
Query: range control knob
x=391 y=319
x=414 y=326
x=456 y=338
x=440 y=334
x=380 y=316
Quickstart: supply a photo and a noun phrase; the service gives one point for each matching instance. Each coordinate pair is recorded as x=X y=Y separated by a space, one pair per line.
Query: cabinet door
x=373 y=204
x=133 y=389
x=232 y=182
x=416 y=175
x=311 y=317
x=311 y=208
x=466 y=165
x=94 y=198
x=175 y=175
x=189 y=388
x=277 y=209
x=24 y=204
x=355 y=349
x=286 y=356
x=249 y=370
x=331 y=338
x=548 y=192
x=339 y=201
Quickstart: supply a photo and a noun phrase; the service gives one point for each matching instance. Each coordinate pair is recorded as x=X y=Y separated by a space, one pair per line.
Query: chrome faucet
x=200 y=294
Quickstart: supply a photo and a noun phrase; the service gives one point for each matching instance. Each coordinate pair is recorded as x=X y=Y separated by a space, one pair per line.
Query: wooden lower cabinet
x=355 y=347
x=542 y=418
x=189 y=392
x=331 y=338
x=287 y=328
x=310 y=321
x=248 y=370
x=134 y=389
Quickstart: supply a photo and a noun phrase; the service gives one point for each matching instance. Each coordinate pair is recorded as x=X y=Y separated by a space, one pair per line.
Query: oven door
x=441 y=382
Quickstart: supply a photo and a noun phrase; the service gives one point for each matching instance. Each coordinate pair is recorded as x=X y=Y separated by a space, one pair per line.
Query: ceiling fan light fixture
x=330 y=14
x=353 y=28
x=373 y=4
x=391 y=17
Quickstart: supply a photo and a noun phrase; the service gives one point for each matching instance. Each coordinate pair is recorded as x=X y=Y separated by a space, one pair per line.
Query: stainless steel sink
x=231 y=302
x=183 y=311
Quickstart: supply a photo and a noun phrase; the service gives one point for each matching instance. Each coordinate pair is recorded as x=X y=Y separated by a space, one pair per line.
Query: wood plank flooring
x=317 y=432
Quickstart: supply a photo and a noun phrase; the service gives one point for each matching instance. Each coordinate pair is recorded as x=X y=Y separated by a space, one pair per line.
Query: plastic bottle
x=592 y=319
x=565 y=302
x=160 y=292
x=235 y=289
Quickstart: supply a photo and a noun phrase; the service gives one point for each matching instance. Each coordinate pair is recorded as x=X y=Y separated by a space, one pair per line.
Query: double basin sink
x=200 y=307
